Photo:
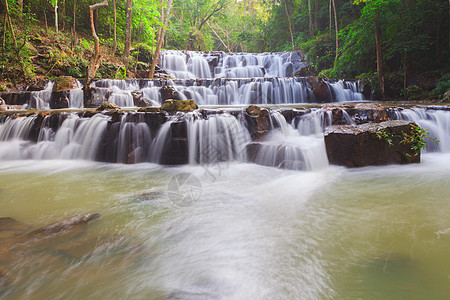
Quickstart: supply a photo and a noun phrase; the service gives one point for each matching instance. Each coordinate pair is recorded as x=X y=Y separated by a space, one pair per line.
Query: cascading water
x=290 y=148
x=214 y=78
x=218 y=138
x=436 y=121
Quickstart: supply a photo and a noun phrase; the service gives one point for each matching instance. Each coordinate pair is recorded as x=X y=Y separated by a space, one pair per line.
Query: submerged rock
x=5 y=280
x=64 y=224
x=371 y=144
x=179 y=105
x=10 y=228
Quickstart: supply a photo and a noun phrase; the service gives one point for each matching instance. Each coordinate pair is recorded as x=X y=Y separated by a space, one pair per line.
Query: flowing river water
x=255 y=232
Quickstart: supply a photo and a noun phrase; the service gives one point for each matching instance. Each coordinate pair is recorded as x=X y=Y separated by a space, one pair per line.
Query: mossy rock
x=64 y=83
x=179 y=105
x=149 y=109
x=107 y=105
x=253 y=110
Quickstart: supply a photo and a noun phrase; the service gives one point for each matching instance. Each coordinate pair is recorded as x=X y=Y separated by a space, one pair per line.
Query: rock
x=169 y=92
x=253 y=110
x=107 y=105
x=149 y=109
x=97 y=95
x=38 y=86
x=258 y=121
x=64 y=225
x=366 y=88
x=10 y=228
x=139 y=100
x=64 y=83
x=359 y=146
x=320 y=89
x=59 y=100
x=446 y=97
x=368 y=112
x=176 y=147
x=179 y=105
x=5 y=280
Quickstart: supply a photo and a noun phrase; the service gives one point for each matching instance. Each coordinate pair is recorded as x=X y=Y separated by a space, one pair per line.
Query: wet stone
x=359 y=146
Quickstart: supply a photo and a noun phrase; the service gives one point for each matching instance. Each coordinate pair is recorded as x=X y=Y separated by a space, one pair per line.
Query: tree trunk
x=8 y=17
x=160 y=40
x=95 y=62
x=380 y=70
x=316 y=16
x=330 y=17
x=56 y=16
x=126 y=52
x=74 y=16
x=405 y=70
x=115 y=25
x=337 y=31
x=310 y=23
x=290 y=25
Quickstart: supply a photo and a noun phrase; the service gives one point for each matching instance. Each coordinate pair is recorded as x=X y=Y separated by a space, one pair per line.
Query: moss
x=179 y=105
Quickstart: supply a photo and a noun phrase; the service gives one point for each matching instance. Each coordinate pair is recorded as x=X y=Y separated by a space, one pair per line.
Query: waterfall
x=313 y=123
x=436 y=121
x=217 y=138
x=288 y=148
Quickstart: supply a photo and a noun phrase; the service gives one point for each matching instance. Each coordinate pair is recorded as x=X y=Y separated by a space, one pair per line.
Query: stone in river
x=371 y=144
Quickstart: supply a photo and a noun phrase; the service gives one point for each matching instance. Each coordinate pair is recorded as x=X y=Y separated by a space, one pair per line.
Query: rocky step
x=373 y=144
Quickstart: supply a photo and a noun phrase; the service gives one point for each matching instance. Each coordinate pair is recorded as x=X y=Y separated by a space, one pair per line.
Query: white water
x=255 y=232
x=227 y=79
x=437 y=122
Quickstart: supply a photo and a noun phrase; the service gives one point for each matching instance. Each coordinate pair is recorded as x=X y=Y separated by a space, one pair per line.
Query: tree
x=129 y=16
x=161 y=34
x=95 y=61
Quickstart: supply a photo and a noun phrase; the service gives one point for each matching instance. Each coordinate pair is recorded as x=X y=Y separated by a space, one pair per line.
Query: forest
x=401 y=46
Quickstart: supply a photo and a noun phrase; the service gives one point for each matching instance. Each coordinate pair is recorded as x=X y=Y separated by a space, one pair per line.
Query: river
x=251 y=232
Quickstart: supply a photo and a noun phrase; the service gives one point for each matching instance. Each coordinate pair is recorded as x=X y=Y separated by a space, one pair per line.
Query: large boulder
x=171 y=105
x=65 y=83
x=372 y=144
x=320 y=89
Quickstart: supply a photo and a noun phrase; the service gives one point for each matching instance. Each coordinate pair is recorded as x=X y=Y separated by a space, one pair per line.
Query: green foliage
x=442 y=86
x=320 y=51
x=417 y=138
